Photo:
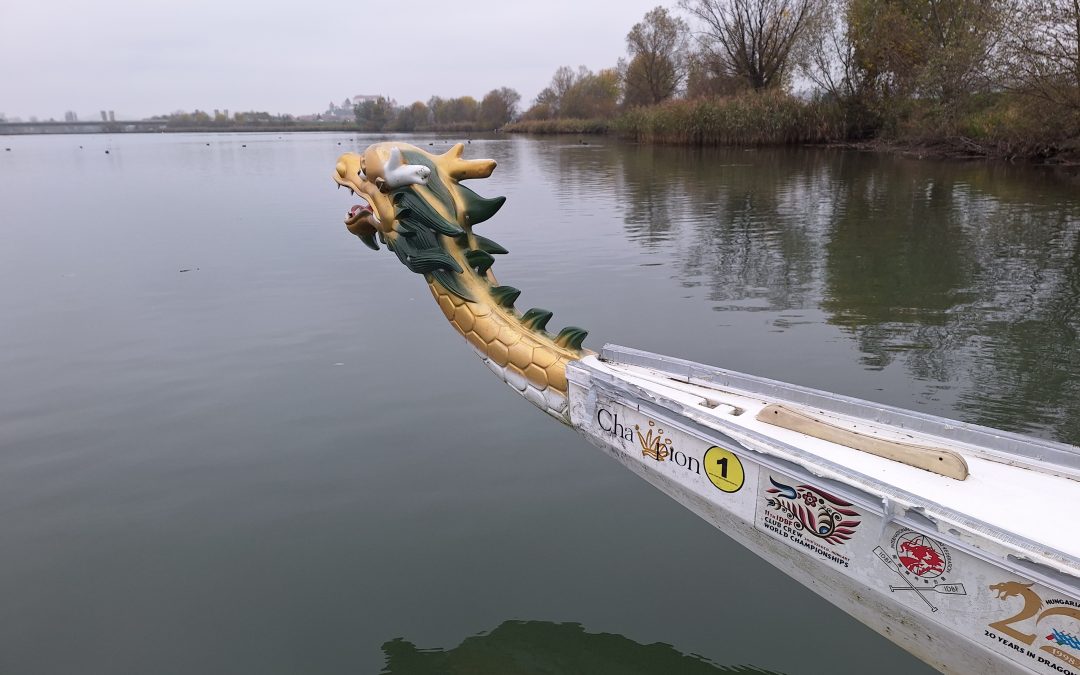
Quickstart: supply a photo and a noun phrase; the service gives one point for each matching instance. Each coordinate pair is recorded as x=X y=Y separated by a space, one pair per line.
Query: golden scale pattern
x=508 y=345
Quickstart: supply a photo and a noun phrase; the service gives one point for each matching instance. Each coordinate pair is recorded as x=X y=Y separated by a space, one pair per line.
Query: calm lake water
x=235 y=440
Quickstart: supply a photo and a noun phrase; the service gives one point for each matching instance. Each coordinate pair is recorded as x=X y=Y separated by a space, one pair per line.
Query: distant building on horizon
x=364 y=98
x=345 y=111
x=70 y=116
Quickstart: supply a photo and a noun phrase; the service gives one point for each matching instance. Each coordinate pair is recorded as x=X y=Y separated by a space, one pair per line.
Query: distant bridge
x=100 y=127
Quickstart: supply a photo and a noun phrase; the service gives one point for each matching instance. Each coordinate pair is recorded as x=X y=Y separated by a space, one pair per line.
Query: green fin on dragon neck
x=415 y=204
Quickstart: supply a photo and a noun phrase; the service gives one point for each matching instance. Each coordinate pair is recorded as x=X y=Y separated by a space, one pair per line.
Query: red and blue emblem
x=815 y=511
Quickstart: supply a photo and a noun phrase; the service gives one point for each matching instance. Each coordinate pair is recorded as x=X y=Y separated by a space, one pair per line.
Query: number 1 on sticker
x=724 y=469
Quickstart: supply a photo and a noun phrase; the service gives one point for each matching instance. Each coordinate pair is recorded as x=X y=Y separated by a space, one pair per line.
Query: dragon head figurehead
x=414 y=203
x=387 y=174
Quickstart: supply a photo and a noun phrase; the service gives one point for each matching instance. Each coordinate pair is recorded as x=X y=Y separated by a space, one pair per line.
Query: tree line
x=995 y=74
x=986 y=76
x=202 y=119
x=464 y=113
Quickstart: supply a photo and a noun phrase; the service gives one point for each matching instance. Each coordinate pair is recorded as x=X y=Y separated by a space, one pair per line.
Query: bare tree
x=548 y=102
x=961 y=36
x=1042 y=55
x=829 y=57
x=753 y=39
x=583 y=94
x=657 y=49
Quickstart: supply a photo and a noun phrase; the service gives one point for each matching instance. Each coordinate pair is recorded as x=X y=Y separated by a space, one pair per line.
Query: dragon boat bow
x=957 y=542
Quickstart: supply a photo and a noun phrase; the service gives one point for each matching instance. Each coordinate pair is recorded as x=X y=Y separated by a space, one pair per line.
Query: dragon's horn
x=477 y=208
x=463 y=169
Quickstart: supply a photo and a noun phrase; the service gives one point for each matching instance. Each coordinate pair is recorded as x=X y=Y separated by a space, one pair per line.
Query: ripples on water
x=280 y=459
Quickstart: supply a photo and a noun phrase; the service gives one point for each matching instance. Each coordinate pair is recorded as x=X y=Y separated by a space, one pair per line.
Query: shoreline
x=186 y=130
x=270 y=128
x=961 y=149
x=946 y=149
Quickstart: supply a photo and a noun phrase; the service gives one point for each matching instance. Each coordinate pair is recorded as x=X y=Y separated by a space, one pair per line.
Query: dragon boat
x=959 y=543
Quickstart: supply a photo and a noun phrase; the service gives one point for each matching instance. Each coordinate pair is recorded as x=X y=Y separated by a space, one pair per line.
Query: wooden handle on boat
x=936 y=460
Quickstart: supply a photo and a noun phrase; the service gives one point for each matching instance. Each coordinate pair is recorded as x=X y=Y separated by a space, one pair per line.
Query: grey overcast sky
x=145 y=57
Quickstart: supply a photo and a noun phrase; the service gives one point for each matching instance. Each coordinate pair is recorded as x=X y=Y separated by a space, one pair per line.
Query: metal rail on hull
x=1018 y=450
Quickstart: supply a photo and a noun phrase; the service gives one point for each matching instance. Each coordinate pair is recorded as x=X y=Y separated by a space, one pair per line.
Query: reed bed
x=772 y=118
x=560 y=126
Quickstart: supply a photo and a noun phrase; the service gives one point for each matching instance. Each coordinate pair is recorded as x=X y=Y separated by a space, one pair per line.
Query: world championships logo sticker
x=815 y=511
x=808 y=518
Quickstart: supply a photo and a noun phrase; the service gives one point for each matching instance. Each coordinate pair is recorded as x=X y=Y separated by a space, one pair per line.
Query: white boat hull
x=962 y=599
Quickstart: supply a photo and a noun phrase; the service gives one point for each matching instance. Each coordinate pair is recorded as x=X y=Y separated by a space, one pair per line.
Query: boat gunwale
x=1009 y=447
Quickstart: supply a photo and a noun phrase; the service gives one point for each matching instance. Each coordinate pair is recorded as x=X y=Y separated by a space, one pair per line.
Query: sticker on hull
x=702 y=466
x=724 y=469
x=923 y=567
x=807 y=518
x=1044 y=623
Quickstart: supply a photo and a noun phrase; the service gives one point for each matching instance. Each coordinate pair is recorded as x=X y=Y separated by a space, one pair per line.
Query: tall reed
x=771 y=118
x=560 y=126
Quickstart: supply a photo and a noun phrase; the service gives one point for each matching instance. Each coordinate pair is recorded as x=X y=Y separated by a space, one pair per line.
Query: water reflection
x=966 y=274
x=746 y=220
x=531 y=647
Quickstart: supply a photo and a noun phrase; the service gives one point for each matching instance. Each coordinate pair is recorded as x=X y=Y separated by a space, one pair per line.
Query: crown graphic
x=657 y=447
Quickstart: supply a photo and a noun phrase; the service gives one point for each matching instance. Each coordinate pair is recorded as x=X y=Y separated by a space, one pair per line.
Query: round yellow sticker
x=723 y=469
